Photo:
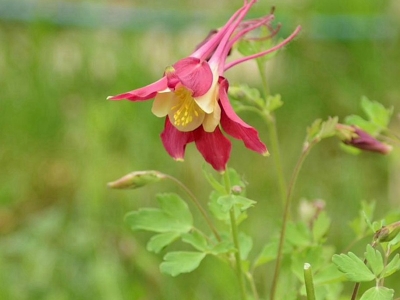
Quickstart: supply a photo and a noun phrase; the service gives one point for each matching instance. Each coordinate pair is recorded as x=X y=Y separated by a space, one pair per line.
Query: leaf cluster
x=376 y=265
x=377 y=117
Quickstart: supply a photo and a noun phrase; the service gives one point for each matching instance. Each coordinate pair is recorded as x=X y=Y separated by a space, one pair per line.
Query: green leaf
x=269 y=253
x=392 y=267
x=378 y=117
x=376 y=112
x=174 y=206
x=213 y=182
x=245 y=244
x=353 y=267
x=350 y=149
x=365 y=125
x=246 y=96
x=327 y=275
x=196 y=239
x=179 y=262
x=328 y=127
x=298 y=234
x=378 y=293
x=235 y=179
x=360 y=225
x=174 y=216
x=312 y=255
x=320 y=130
x=273 y=102
x=374 y=260
x=160 y=241
x=150 y=219
x=229 y=201
x=320 y=227
x=222 y=247
x=394 y=244
x=216 y=208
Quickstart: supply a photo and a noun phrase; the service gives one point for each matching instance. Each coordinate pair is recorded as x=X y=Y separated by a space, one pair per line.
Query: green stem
x=355 y=291
x=385 y=262
x=272 y=131
x=285 y=217
x=235 y=237
x=253 y=287
x=309 y=283
x=276 y=155
x=198 y=205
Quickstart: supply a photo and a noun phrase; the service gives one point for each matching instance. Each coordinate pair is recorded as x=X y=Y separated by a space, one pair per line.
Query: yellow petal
x=212 y=120
x=162 y=103
x=207 y=101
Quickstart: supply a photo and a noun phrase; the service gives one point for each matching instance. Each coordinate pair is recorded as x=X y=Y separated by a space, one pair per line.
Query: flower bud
x=358 y=138
x=387 y=233
x=237 y=190
x=136 y=179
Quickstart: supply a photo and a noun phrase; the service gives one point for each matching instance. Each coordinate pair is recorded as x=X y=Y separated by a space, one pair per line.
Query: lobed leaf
x=179 y=262
x=365 y=125
x=173 y=206
x=229 y=201
x=374 y=260
x=246 y=96
x=320 y=130
x=160 y=241
x=273 y=102
x=327 y=275
x=321 y=226
x=298 y=235
x=196 y=239
x=222 y=247
x=378 y=293
x=392 y=267
x=174 y=216
x=376 y=112
x=213 y=182
x=150 y=219
x=353 y=267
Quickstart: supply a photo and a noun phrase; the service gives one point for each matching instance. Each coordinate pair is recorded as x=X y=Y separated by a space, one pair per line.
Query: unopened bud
x=387 y=233
x=136 y=179
x=358 y=138
x=237 y=190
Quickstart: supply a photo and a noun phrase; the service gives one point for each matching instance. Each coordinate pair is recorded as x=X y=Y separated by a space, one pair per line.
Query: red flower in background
x=193 y=95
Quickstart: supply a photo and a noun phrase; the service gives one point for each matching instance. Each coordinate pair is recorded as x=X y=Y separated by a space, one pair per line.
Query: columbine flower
x=193 y=95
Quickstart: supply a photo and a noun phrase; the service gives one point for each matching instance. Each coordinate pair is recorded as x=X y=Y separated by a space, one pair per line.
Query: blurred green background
x=62 y=234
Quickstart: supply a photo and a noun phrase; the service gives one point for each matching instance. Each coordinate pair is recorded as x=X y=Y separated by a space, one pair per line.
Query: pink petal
x=145 y=93
x=214 y=147
x=193 y=73
x=175 y=141
x=235 y=126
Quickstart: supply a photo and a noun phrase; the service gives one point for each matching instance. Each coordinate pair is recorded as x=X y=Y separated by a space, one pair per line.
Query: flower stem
x=309 y=283
x=253 y=287
x=285 y=218
x=235 y=237
x=271 y=124
x=197 y=204
x=272 y=131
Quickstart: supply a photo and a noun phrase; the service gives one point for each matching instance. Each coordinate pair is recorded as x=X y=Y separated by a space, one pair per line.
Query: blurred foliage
x=62 y=231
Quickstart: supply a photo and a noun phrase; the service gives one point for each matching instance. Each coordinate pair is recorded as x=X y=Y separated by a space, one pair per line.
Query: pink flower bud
x=364 y=141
